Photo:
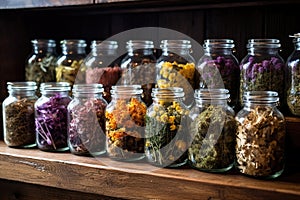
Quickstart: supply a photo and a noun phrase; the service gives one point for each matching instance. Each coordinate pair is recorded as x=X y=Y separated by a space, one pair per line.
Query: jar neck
x=103 y=47
x=139 y=47
x=211 y=97
x=171 y=94
x=180 y=47
x=218 y=46
x=87 y=90
x=73 y=47
x=126 y=91
x=49 y=89
x=260 y=98
x=22 y=89
x=44 y=46
x=263 y=46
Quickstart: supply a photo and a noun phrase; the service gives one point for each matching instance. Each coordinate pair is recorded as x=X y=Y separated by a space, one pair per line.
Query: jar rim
x=73 y=42
x=261 y=96
x=19 y=86
x=48 y=42
x=139 y=44
x=126 y=89
x=212 y=94
x=263 y=43
x=55 y=86
x=104 y=44
x=85 y=88
x=170 y=92
x=219 y=43
x=186 y=44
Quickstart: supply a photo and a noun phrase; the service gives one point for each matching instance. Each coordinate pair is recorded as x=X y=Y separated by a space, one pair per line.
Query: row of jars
x=262 y=69
x=209 y=136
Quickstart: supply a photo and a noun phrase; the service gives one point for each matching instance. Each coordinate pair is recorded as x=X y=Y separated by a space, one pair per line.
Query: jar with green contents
x=68 y=65
x=176 y=67
x=138 y=67
x=86 y=120
x=167 y=137
x=213 y=130
x=18 y=114
x=40 y=65
x=102 y=66
x=261 y=133
x=293 y=77
x=125 y=123
x=263 y=69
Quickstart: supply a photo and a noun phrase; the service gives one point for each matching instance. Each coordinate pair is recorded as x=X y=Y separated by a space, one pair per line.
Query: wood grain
x=90 y=175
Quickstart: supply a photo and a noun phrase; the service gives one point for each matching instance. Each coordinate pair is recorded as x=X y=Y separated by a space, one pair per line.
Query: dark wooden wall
x=18 y=27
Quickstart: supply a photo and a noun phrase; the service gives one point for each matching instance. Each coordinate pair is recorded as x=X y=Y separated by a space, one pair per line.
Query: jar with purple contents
x=293 y=77
x=219 y=68
x=102 y=66
x=263 y=69
x=86 y=120
x=51 y=116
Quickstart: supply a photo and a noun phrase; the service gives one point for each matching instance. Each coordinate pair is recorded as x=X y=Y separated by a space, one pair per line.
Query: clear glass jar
x=219 y=68
x=18 y=114
x=262 y=69
x=102 y=66
x=176 y=67
x=125 y=122
x=86 y=120
x=40 y=65
x=293 y=77
x=260 y=136
x=213 y=129
x=51 y=116
x=138 y=67
x=69 y=62
x=167 y=137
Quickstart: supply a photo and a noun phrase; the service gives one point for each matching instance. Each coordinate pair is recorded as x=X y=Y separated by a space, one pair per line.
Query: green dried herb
x=166 y=136
x=213 y=146
x=19 y=123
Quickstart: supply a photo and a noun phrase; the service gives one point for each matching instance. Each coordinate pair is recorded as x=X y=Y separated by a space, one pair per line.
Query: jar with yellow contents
x=176 y=67
x=167 y=139
x=69 y=62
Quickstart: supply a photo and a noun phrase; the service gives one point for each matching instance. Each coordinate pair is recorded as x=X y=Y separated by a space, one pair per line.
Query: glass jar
x=260 y=136
x=86 y=120
x=69 y=62
x=262 y=69
x=51 y=116
x=167 y=137
x=40 y=65
x=102 y=66
x=219 y=68
x=213 y=130
x=138 y=67
x=176 y=67
x=18 y=114
x=125 y=122
x=293 y=77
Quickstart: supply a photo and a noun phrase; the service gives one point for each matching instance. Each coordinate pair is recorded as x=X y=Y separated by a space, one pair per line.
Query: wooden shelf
x=131 y=181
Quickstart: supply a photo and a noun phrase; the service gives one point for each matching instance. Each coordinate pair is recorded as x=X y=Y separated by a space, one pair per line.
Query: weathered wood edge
x=83 y=174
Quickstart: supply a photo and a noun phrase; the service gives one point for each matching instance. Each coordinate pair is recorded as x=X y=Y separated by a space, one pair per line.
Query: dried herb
x=267 y=75
x=293 y=85
x=213 y=146
x=260 y=142
x=107 y=76
x=41 y=70
x=19 y=123
x=125 y=129
x=166 y=136
x=51 y=123
x=68 y=73
x=86 y=129
x=211 y=69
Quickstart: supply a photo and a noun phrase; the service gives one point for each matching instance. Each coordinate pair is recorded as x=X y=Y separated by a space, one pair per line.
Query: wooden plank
x=90 y=175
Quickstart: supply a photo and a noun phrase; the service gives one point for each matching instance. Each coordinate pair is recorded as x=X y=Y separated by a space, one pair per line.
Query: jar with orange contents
x=125 y=123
